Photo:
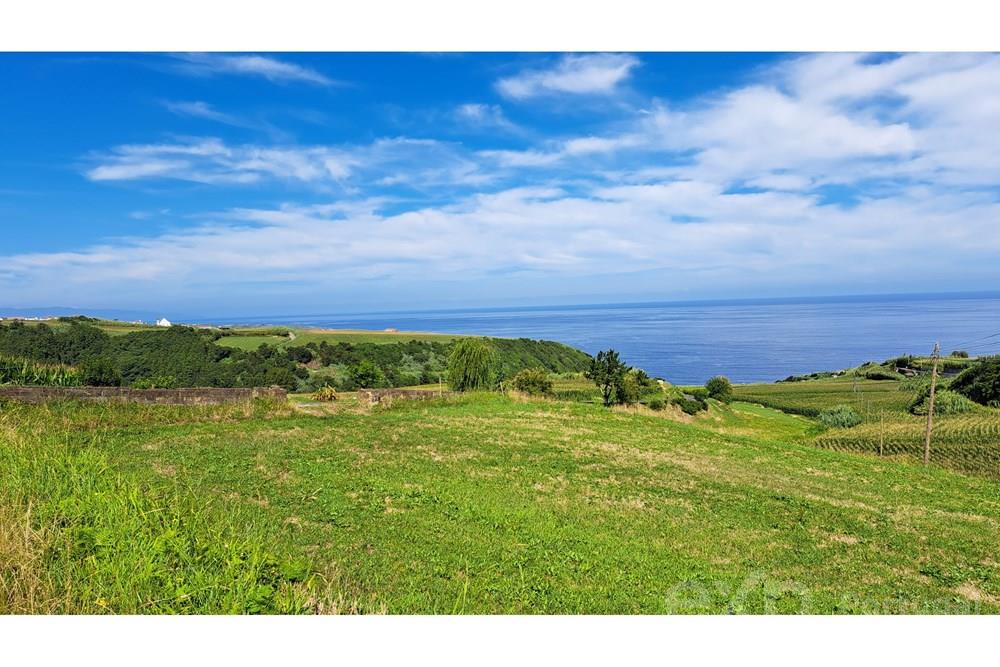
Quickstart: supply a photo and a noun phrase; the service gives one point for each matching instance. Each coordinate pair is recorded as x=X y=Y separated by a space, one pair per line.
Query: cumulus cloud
x=594 y=74
x=826 y=167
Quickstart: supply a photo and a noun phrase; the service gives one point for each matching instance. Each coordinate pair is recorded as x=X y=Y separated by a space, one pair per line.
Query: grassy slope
x=487 y=504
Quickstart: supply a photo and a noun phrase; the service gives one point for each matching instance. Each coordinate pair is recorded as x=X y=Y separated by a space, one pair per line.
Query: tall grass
x=27 y=372
x=77 y=535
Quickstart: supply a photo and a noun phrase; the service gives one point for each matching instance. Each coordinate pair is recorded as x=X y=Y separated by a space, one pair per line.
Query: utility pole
x=930 y=405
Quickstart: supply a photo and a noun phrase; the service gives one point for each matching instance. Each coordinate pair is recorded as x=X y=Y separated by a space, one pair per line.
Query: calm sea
x=749 y=341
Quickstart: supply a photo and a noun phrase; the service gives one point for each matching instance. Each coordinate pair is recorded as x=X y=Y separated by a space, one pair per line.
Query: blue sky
x=257 y=184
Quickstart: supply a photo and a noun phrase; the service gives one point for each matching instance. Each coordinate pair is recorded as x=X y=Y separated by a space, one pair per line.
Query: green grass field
x=480 y=504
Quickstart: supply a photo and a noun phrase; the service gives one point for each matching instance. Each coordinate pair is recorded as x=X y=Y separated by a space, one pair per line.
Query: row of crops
x=868 y=397
x=967 y=443
x=25 y=372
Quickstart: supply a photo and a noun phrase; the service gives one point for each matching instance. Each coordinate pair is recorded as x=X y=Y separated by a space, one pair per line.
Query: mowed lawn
x=485 y=504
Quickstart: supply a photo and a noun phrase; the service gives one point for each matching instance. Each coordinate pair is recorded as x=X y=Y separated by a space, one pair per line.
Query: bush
x=946 y=402
x=690 y=405
x=473 y=364
x=158 y=382
x=960 y=354
x=840 y=416
x=325 y=393
x=100 y=372
x=656 y=404
x=720 y=388
x=698 y=393
x=880 y=373
x=533 y=381
x=628 y=389
x=980 y=383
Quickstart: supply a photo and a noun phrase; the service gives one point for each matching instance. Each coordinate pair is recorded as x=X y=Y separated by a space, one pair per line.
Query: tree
x=473 y=364
x=720 y=388
x=367 y=375
x=607 y=371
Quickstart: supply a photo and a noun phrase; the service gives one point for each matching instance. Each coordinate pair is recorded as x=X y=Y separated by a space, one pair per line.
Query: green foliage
x=880 y=373
x=690 y=404
x=533 y=381
x=607 y=371
x=981 y=382
x=158 y=382
x=720 y=388
x=27 y=372
x=366 y=375
x=473 y=365
x=960 y=354
x=946 y=402
x=656 y=404
x=840 y=416
x=629 y=389
x=100 y=372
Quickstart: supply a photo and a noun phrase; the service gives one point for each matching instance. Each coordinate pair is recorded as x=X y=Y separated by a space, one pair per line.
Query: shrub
x=325 y=393
x=840 y=416
x=656 y=404
x=473 y=364
x=946 y=402
x=980 y=383
x=880 y=373
x=960 y=354
x=690 y=405
x=158 y=382
x=720 y=388
x=628 y=389
x=100 y=372
x=698 y=393
x=534 y=381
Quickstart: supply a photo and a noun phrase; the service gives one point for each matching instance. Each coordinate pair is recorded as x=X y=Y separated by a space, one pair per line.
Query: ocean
x=748 y=341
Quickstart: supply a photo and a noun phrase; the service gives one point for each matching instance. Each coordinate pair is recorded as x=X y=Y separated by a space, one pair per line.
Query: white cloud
x=731 y=187
x=277 y=71
x=484 y=116
x=594 y=74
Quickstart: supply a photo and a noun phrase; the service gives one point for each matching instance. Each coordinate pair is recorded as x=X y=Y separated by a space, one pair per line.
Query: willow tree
x=473 y=364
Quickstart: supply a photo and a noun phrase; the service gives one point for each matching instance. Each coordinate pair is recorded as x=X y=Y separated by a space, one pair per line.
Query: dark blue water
x=749 y=341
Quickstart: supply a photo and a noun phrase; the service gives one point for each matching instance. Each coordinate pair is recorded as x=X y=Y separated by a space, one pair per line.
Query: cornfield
x=27 y=372
x=968 y=443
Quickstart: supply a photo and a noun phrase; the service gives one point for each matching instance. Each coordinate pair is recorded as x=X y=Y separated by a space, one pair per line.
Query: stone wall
x=374 y=396
x=188 y=396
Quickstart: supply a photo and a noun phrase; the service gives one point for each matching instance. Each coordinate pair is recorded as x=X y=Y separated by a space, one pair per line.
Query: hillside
x=296 y=359
x=475 y=505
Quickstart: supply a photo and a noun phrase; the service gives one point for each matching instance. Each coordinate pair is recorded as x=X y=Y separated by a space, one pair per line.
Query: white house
x=163 y=322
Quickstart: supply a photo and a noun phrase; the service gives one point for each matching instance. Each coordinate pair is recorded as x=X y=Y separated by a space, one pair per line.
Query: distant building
x=163 y=322
x=391 y=330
